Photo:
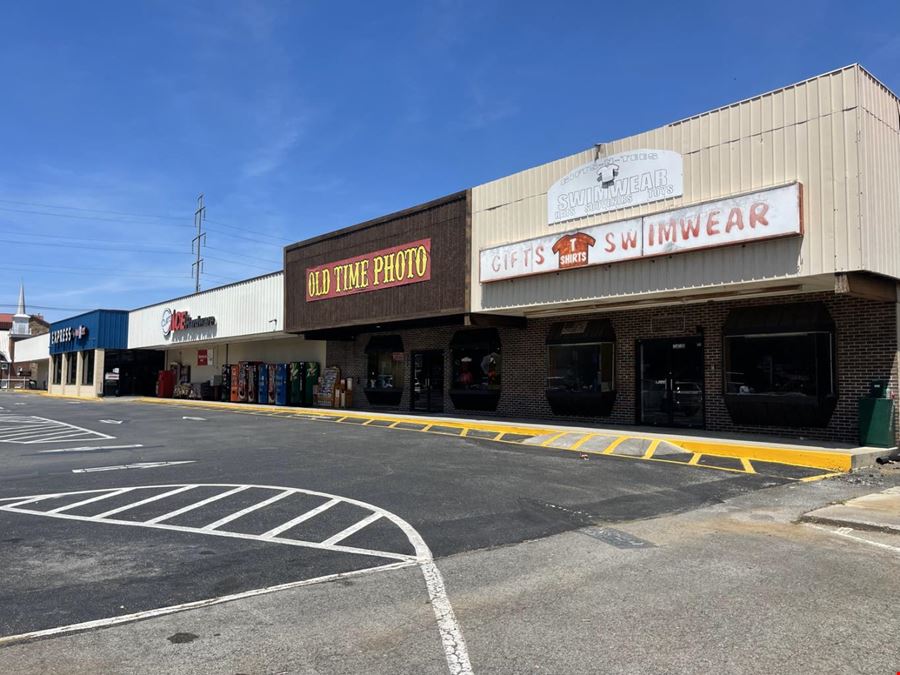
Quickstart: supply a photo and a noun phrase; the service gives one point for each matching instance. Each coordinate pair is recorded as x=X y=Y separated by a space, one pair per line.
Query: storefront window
x=779 y=365
x=71 y=367
x=385 y=370
x=87 y=367
x=57 y=368
x=782 y=365
x=475 y=369
x=582 y=368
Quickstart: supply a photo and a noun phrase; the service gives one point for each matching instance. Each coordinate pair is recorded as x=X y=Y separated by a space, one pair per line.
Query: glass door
x=671 y=377
x=428 y=381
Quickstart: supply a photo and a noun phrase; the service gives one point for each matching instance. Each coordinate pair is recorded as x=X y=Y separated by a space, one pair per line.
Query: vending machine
x=242 y=382
x=282 y=390
x=263 y=384
x=252 y=382
x=272 y=369
x=297 y=372
x=226 y=383
x=310 y=380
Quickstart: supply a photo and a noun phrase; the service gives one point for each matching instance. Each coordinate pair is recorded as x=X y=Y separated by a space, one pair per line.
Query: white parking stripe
x=274 y=532
x=197 y=505
x=90 y=500
x=353 y=529
x=249 y=509
x=162 y=611
x=149 y=500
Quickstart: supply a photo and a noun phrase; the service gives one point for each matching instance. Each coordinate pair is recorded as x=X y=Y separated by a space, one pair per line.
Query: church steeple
x=20 y=318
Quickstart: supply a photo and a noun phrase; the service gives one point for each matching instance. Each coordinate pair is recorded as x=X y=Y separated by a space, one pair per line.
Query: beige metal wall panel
x=241 y=310
x=879 y=151
x=806 y=132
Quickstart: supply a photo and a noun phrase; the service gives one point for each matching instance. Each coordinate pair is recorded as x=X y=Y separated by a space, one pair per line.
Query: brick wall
x=866 y=349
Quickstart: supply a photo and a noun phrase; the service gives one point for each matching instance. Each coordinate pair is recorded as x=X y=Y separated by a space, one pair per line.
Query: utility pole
x=196 y=242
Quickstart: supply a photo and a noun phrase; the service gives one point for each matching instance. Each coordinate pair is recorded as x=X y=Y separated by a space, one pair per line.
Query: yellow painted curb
x=814 y=459
x=334 y=416
x=793 y=456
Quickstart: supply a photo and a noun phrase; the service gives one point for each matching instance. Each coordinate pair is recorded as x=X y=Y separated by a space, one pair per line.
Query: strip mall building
x=732 y=271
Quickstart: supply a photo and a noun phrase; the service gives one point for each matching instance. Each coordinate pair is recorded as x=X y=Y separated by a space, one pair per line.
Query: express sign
x=68 y=334
x=751 y=217
x=396 y=266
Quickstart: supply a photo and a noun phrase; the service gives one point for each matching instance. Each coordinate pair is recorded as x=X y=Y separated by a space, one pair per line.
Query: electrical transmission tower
x=196 y=242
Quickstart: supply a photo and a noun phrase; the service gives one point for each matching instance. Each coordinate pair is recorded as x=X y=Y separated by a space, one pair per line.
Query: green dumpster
x=876 y=422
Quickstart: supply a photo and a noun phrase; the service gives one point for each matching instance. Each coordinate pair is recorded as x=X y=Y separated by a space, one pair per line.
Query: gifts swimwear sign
x=736 y=220
x=396 y=266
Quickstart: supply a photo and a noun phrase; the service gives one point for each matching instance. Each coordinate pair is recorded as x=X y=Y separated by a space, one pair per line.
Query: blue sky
x=296 y=118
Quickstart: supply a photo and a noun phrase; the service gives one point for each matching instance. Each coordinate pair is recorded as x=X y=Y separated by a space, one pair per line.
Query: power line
x=108 y=249
x=80 y=208
x=276 y=241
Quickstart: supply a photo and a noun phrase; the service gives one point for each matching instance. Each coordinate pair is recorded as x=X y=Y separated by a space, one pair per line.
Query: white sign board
x=760 y=215
x=616 y=182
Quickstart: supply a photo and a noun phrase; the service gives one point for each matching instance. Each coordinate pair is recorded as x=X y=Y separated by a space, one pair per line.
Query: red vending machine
x=242 y=382
x=235 y=379
x=165 y=384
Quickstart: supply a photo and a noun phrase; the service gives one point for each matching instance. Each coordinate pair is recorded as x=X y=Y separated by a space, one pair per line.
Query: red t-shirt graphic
x=572 y=249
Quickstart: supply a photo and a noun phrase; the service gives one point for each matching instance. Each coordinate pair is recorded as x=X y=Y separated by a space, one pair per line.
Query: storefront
x=86 y=354
x=735 y=271
x=204 y=337
x=390 y=297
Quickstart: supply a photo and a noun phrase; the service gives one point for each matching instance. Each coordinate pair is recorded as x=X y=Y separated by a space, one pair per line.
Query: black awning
x=798 y=317
x=479 y=339
x=581 y=332
x=384 y=343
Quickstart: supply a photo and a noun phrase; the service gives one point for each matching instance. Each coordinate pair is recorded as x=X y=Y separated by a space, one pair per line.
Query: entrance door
x=671 y=376
x=428 y=381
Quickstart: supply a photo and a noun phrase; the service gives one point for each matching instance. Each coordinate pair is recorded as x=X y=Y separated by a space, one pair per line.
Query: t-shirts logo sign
x=573 y=249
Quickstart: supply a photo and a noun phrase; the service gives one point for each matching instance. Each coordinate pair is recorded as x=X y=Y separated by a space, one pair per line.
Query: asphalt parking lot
x=459 y=494
x=134 y=508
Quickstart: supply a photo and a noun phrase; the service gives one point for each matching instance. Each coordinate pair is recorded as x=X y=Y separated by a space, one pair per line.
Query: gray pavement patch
x=617 y=538
x=718 y=462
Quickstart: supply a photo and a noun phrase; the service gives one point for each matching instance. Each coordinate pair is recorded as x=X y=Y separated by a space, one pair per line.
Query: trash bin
x=876 y=416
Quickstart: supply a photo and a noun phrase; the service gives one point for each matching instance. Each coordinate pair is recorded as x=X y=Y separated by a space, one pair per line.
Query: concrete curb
x=833 y=461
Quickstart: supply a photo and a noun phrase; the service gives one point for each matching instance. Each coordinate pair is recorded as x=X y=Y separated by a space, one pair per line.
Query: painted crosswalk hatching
x=218 y=526
x=30 y=429
x=451 y=637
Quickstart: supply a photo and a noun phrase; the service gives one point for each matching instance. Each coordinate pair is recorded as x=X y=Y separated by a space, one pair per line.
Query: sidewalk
x=741 y=452
x=879 y=511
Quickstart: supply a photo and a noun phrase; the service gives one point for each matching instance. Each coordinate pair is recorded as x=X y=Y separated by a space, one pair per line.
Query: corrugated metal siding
x=880 y=168
x=241 y=310
x=806 y=132
x=107 y=329
x=33 y=349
